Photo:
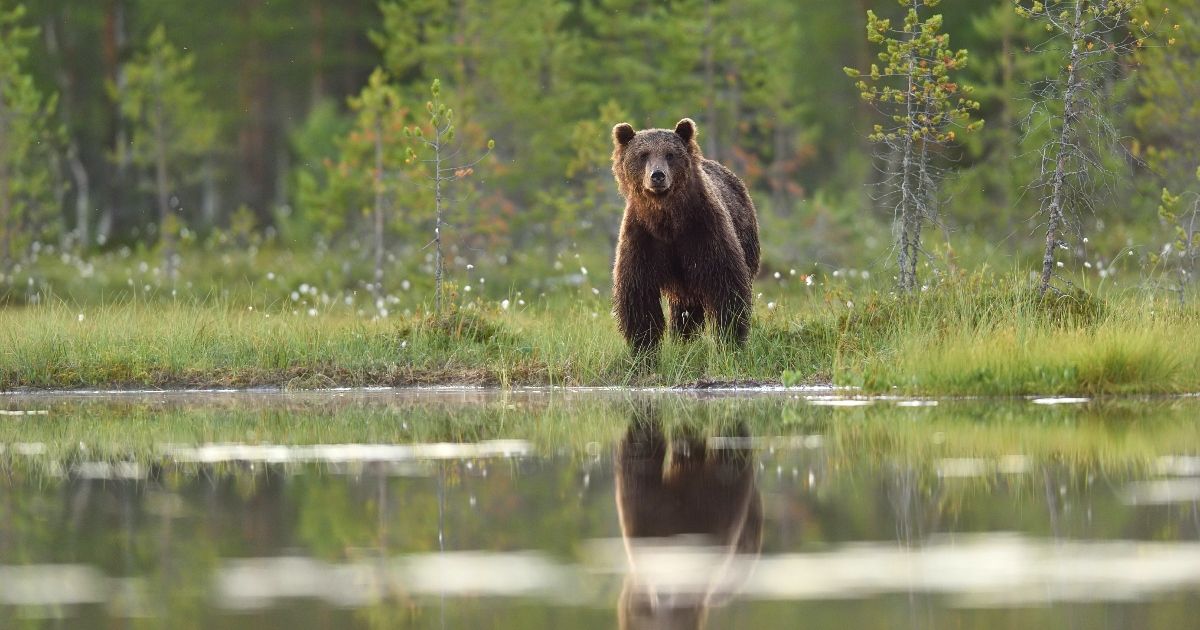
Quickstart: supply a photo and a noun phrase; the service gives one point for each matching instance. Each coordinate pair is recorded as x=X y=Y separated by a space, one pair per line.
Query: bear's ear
x=686 y=129
x=622 y=134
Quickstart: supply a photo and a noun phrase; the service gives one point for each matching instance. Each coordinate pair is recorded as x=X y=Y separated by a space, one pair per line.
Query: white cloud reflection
x=985 y=571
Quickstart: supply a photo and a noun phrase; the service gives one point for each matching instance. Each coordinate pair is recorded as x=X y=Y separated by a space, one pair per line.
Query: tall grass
x=980 y=335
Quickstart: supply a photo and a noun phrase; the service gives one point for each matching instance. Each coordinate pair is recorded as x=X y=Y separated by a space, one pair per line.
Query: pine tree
x=28 y=143
x=1075 y=105
x=379 y=126
x=924 y=106
x=1166 y=117
x=172 y=129
x=437 y=151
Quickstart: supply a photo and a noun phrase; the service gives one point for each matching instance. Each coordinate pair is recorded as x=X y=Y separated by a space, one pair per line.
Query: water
x=476 y=509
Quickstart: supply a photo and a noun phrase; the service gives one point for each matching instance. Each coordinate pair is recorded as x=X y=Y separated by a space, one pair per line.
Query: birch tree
x=923 y=106
x=1075 y=105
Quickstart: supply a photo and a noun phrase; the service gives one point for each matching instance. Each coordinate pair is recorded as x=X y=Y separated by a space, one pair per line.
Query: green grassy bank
x=972 y=336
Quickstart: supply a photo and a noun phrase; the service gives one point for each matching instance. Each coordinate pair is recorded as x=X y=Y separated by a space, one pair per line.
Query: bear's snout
x=658 y=178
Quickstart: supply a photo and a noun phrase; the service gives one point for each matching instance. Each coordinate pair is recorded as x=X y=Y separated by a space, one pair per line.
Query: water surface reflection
x=540 y=510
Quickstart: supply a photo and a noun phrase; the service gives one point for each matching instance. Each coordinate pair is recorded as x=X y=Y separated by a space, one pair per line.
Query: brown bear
x=689 y=232
x=684 y=499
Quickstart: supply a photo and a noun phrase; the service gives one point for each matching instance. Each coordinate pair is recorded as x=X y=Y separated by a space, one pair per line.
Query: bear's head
x=654 y=163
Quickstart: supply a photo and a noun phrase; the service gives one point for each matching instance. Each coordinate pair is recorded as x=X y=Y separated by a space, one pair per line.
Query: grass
x=976 y=335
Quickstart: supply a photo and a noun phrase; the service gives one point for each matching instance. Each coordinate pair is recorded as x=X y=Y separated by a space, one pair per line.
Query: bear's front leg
x=636 y=294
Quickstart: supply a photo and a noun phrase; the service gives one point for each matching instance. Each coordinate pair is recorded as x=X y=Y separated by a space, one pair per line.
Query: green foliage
x=314 y=178
x=170 y=122
x=1166 y=113
x=1180 y=256
x=923 y=106
x=336 y=194
x=914 y=85
x=29 y=140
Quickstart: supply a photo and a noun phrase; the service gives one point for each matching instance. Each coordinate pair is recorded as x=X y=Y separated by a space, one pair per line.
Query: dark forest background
x=547 y=79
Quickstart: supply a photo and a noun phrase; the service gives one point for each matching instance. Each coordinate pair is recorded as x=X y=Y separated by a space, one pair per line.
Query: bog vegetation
x=405 y=191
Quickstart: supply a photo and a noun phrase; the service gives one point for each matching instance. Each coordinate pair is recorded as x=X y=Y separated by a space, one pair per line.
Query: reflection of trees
x=683 y=493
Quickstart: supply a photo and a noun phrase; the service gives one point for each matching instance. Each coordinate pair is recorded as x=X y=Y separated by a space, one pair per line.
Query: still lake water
x=596 y=509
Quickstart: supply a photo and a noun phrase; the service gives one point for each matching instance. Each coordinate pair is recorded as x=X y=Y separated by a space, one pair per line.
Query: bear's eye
x=644 y=155
x=671 y=155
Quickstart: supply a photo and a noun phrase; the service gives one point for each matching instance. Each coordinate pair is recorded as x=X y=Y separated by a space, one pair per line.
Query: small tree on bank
x=1097 y=34
x=28 y=142
x=923 y=106
x=379 y=127
x=1180 y=256
x=437 y=151
x=171 y=127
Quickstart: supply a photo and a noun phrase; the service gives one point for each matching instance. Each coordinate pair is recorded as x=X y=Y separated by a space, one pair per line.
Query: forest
x=315 y=157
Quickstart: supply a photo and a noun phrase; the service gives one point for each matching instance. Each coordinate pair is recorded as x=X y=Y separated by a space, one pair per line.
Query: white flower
x=777 y=275
x=249 y=308
x=1087 y=265
x=808 y=281
x=1059 y=264
x=405 y=285
x=467 y=289
x=470 y=267
x=79 y=317
x=583 y=270
x=295 y=296
x=383 y=312
x=520 y=302
x=504 y=304
x=270 y=275
x=595 y=291
x=770 y=306
x=312 y=312
x=304 y=288
x=866 y=274
x=791 y=272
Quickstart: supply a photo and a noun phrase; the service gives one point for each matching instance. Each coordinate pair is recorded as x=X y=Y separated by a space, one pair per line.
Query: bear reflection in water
x=691 y=521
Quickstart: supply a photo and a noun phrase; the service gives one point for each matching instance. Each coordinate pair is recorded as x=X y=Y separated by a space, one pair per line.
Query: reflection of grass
x=979 y=335
x=1117 y=434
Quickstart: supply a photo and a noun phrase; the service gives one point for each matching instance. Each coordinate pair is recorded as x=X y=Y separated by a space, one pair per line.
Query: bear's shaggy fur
x=689 y=232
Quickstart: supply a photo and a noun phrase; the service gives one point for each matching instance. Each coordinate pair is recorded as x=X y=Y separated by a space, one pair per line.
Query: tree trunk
x=166 y=226
x=910 y=220
x=6 y=222
x=1055 y=215
x=317 y=20
x=437 y=221
x=79 y=174
x=254 y=137
x=710 y=94
x=115 y=42
x=377 y=285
